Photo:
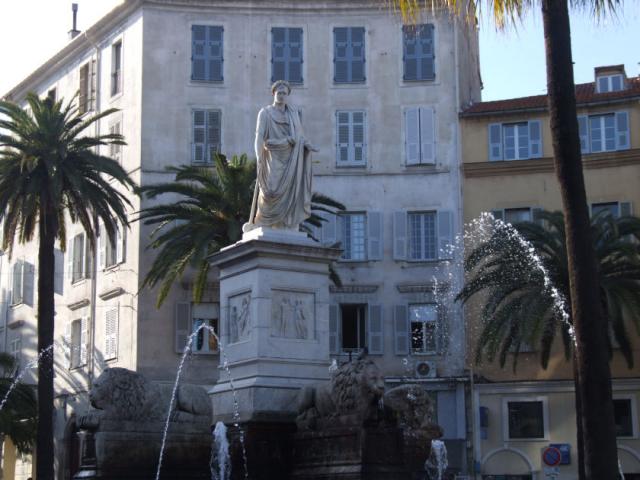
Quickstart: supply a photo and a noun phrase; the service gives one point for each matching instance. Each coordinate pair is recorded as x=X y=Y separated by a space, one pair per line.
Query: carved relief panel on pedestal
x=239 y=317
x=292 y=314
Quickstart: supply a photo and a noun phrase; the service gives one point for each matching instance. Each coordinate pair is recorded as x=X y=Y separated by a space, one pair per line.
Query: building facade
x=380 y=101
x=508 y=171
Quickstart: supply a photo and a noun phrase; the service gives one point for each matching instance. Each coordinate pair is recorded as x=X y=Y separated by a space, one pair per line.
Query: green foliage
x=18 y=418
x=209 y=208
x=518 y=309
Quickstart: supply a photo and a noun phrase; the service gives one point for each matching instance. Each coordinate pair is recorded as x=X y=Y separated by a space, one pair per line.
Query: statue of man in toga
x=283 y=190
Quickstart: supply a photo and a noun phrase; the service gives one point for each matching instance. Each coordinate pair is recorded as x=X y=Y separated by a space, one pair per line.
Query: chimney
x=73 y=33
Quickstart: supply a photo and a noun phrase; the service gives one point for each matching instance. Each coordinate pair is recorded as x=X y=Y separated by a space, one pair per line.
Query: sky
x=512 y=62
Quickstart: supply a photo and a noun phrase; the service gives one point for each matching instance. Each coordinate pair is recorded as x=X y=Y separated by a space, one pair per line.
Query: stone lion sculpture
x=412 y=409
x=351 y=397
x=121 y=394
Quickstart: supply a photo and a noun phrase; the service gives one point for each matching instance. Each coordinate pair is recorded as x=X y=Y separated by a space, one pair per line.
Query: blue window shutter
x=198 y=55
x=427 y=135
x=358 y=126
x=412 y=135
x=495 y=141
x=341 y=54
x=214 y=59
x=625 y=209
x=535 y=139
x=409 y=53
x=334 y=330
x=198 y=136
x=182 y=324
x=400 y=235
x=584 y=133
x=28 y=279
x=357 y=54
x=374 y=236
x=375 y=330
x=622 y=130
x=401 y=330
x=213 y=134
x=278 y=54
x=294 y=74
x=427 y=58
x=329 y=228
x=445 y=234
x=343 y=136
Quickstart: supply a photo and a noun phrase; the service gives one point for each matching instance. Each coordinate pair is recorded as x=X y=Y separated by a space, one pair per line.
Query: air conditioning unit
x=425 y=369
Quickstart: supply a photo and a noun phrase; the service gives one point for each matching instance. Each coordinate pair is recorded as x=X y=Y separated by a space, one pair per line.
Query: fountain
x=220 y=460
x=437 y=463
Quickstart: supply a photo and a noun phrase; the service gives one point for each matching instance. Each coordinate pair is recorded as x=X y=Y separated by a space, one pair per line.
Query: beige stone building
x=379 y=100
x=508 y=170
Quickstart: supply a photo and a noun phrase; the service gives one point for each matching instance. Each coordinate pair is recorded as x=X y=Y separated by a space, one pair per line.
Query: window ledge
x=115 y=97
x=15 y=324
x=207 y=83
x=79 y=304
x=111 y=293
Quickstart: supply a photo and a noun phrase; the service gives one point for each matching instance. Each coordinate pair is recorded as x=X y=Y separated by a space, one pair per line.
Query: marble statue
x=282 y=198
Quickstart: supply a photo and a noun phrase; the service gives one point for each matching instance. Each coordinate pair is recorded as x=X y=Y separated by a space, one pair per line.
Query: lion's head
x=356 y=386
x=120 y=393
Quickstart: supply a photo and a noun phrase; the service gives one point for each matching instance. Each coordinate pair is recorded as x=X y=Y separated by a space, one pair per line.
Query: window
x=116 y=68
x=112 y=248
x=419 y=131
x=87 y=88
x=353 y=227
x=189 y=319
x=77 y=336
x=22 y=283
x=625 y=416
x=604 y=133
x=514 y=215
x=52 y=94
x=610 y=83
x=286 y=54
x=206 y=53
x=421 y=236
x=350 y=138
x=424 y=324
x=115 y=150
x=111 y=333
x=526 y=419
x=79 y=258
x=617 y=209
x=417 y=50
x=206 y=135
x=515 y=141
x=15 y=349
x=354 y=326
x=348 y=55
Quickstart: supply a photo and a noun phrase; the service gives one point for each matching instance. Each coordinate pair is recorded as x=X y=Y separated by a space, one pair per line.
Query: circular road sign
x=551 y=456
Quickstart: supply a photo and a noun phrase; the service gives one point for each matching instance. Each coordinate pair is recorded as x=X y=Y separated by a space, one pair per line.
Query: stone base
x=354 y=453
x=268 y=447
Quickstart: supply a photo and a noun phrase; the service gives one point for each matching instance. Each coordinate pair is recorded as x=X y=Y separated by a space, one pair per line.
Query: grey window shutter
x=498 y=214
x=401 y=329
x=400 y=235
x=625 y=209
x=28 y=277
x=358 y=127
x=103 y=238
x=69 y=257
x=84 y=338
x=16 y=287
x=198 y=136
x=214 y=53
x=213 y=134
x=374 y=236
x=535 y=139
x=357 y=54
x=121 y=243
x=278 y=53
x=495 y=141
x=334 y=337
x=427 y=135
x=412 y=135
x=294 y=50
x=84 y=89
x=343 y=125
x=375 y=330
x=445 y=234
x=198 y=52
x=92 y=86
x=622 y=130
x=341 y=55
x=329 y=229
x=584 y=133
x=182 y=325
x=409 y=53
x=342 y=223
x=58 y=279
x=427 y=58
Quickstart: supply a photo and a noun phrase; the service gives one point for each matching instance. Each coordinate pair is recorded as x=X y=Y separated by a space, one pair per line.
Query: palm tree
x=519 y=310
x=592 y=367
x=214 y=204
x=50 y=167
x=19 y=416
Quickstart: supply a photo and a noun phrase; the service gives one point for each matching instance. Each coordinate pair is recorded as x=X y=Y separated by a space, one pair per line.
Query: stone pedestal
x=274 y=295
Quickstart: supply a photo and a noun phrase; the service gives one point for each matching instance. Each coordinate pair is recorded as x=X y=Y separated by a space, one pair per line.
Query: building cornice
x=545 y=165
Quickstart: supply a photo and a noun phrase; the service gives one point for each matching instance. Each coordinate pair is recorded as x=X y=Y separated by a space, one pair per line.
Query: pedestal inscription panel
x=292 y=314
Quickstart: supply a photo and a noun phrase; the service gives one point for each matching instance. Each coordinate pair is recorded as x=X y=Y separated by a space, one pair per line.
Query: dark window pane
x=526 y=420
x=623 y=417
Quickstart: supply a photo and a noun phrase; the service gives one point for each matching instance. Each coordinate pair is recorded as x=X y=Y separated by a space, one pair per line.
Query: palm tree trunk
x=44 y=437
x=579 y=432
x=600 y=451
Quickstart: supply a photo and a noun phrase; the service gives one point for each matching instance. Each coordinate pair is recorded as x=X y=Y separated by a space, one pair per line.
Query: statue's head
x=280 y=91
